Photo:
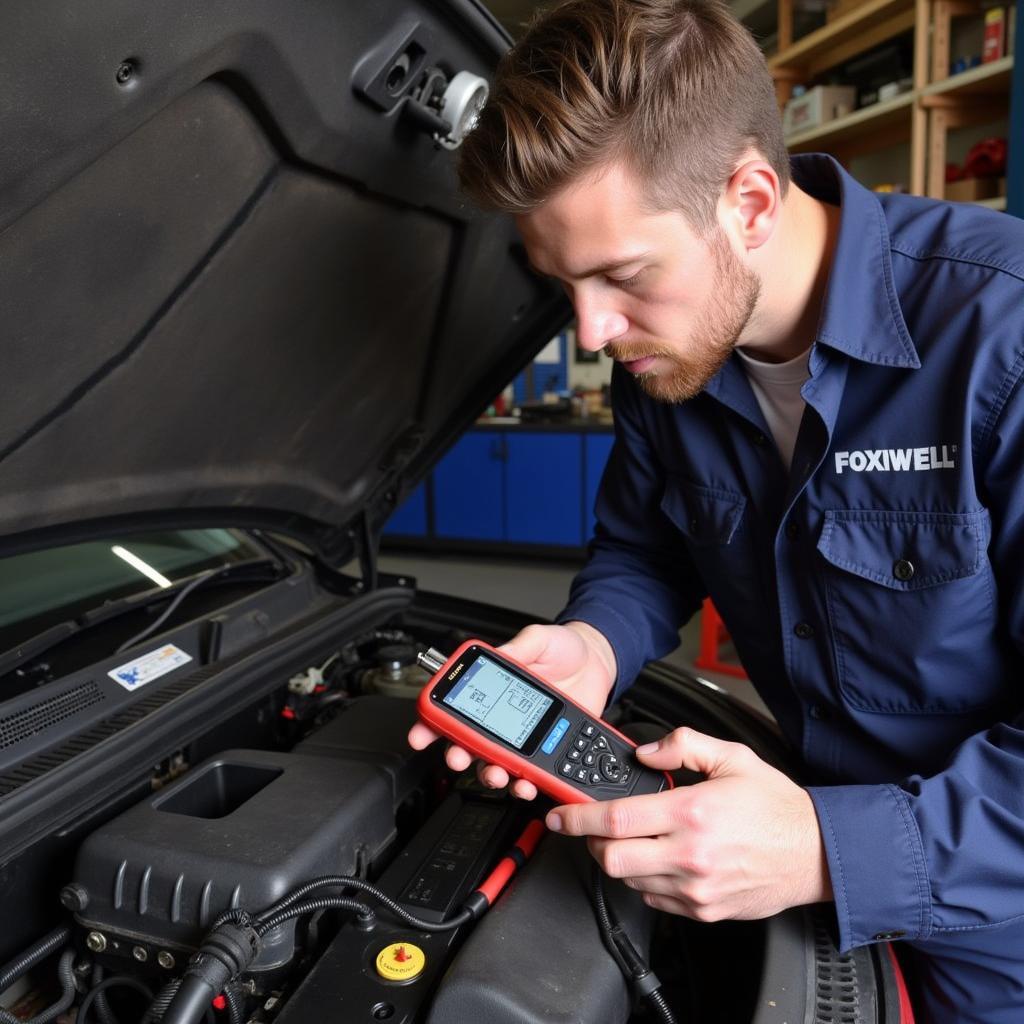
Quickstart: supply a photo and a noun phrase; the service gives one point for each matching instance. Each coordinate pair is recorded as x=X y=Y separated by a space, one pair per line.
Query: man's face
x=667 y=304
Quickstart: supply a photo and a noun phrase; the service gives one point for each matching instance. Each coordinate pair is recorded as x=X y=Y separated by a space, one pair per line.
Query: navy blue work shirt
x=875 y=593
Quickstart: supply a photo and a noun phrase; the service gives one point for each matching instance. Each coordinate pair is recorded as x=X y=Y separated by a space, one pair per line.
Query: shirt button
x=887 y=936
x=804 y=630
x=819 y=713
x=792 y=529
x=903 y=570
x=760 y=440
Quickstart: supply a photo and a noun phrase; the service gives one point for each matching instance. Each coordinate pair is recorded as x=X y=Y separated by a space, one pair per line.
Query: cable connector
x=305 y=683
x=234 y=945
x=225 y=953
x=431 y=659
x=644 y=980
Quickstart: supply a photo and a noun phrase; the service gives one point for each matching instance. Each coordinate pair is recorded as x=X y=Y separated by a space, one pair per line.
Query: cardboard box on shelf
x=818 y=106
x=971 y=189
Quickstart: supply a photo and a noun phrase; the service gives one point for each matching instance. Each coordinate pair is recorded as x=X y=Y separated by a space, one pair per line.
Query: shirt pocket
x=911 y=609
x=707 y=516
x=712 y=522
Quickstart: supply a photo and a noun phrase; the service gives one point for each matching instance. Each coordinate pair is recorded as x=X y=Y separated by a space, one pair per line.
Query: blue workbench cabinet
x=508 y=489
x=469 y=489
x=596 y=449
x=543 y=488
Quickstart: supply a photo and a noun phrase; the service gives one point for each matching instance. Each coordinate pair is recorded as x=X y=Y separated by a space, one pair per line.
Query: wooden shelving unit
x=923 y=117
x=972 y=97
x=984 y=80
x=865 y=26
x=866 y=129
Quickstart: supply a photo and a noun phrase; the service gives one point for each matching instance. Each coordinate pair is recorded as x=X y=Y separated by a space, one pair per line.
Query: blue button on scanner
x=557 y=732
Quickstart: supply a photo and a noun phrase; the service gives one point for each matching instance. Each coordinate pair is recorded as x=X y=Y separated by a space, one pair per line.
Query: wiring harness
x=236 y=937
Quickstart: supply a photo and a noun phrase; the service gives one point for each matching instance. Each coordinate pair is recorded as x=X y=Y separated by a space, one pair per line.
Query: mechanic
x=819 y=424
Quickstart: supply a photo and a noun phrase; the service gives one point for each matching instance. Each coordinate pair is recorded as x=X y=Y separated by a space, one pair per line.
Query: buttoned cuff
x=876 y=861
x=625 y=643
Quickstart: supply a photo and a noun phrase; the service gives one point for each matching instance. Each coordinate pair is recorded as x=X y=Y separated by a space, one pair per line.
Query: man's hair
x=676 y=89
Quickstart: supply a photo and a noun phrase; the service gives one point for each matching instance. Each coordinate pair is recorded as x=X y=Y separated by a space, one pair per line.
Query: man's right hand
x=575 y=658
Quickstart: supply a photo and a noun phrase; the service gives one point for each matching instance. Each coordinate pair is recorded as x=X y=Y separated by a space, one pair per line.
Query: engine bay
x=308 y=819
x=327 y=786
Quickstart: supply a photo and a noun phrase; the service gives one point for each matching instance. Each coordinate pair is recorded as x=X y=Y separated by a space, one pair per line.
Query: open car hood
x=237 y=282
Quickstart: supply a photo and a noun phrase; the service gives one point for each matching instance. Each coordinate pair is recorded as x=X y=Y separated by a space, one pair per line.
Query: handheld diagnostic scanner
x=498 y=711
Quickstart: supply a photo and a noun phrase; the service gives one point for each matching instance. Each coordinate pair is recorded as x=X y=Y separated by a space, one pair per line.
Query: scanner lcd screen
x=501 y=702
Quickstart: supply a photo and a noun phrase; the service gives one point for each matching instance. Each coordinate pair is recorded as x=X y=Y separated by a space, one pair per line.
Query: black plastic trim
x=70 y=790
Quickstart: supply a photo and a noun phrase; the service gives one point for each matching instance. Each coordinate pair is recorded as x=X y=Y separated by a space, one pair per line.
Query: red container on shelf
x=994 y=44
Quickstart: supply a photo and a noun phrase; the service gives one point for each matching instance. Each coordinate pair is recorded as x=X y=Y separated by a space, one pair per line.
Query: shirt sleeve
x=639 y=584
x=943 y=854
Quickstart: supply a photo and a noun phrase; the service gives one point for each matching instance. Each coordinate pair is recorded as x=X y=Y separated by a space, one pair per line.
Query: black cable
x=657 y=1000
x=235 y=1004
x=237 y=915
x=345 y=882
x=162 y=1001
x=115 y=980
x=642 y=979
x=604 y=920
x=322 y=903
x=190 y=1002
x=35 y=953
x=235 y=938
x=103 y=1010
x=65 y=971
x=169 y=610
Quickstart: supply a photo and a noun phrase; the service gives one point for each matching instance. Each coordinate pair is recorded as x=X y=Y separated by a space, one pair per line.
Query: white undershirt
x=776 y=387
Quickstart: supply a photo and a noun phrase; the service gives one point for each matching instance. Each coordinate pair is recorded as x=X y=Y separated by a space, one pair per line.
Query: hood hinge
x=367 y=544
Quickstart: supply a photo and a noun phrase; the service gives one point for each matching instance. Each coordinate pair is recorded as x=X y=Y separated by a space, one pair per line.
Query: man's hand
x=575 y=658
x=744 y=844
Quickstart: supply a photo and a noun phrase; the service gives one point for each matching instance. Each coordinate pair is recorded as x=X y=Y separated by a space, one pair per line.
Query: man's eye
x=627 y=282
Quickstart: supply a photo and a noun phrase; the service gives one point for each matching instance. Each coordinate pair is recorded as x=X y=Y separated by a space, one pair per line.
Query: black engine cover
x=240 y=830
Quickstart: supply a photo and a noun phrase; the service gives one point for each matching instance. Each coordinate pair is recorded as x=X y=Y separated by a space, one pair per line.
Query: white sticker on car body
x=140 y=671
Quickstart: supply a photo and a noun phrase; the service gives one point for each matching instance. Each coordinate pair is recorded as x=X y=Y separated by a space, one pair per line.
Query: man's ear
x=751 y=204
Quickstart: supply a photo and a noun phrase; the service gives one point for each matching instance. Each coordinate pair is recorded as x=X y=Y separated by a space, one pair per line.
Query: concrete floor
x=539 y=588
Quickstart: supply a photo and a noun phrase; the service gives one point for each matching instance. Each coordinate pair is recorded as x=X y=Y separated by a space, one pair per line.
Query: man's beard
x=719 y=326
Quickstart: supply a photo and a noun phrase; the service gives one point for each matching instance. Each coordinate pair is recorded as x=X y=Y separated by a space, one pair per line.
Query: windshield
x=43 y=588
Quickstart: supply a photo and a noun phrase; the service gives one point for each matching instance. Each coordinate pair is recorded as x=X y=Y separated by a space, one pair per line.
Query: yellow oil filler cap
x=401 y=961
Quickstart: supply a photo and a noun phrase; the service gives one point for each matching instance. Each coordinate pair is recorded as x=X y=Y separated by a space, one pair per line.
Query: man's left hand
x=744 y=843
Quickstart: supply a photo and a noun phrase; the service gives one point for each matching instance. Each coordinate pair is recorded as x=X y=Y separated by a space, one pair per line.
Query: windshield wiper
x=256 y=570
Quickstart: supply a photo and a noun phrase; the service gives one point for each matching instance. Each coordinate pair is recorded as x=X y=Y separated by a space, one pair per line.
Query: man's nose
x=597 y=322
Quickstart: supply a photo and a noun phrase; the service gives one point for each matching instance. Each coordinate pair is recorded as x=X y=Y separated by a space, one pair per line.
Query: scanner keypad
x=591 y=759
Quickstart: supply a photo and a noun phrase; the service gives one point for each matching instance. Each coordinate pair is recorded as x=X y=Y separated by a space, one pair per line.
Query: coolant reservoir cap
x=401 y=961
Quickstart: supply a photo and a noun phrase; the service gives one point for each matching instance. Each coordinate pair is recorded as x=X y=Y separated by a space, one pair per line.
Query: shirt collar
x=861 y=314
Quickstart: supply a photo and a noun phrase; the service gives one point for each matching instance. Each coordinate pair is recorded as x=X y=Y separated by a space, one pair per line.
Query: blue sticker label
x=139 y=671
x=557 y=732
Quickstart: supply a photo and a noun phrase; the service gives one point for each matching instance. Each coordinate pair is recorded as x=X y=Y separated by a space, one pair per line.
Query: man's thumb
x=687 y=748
